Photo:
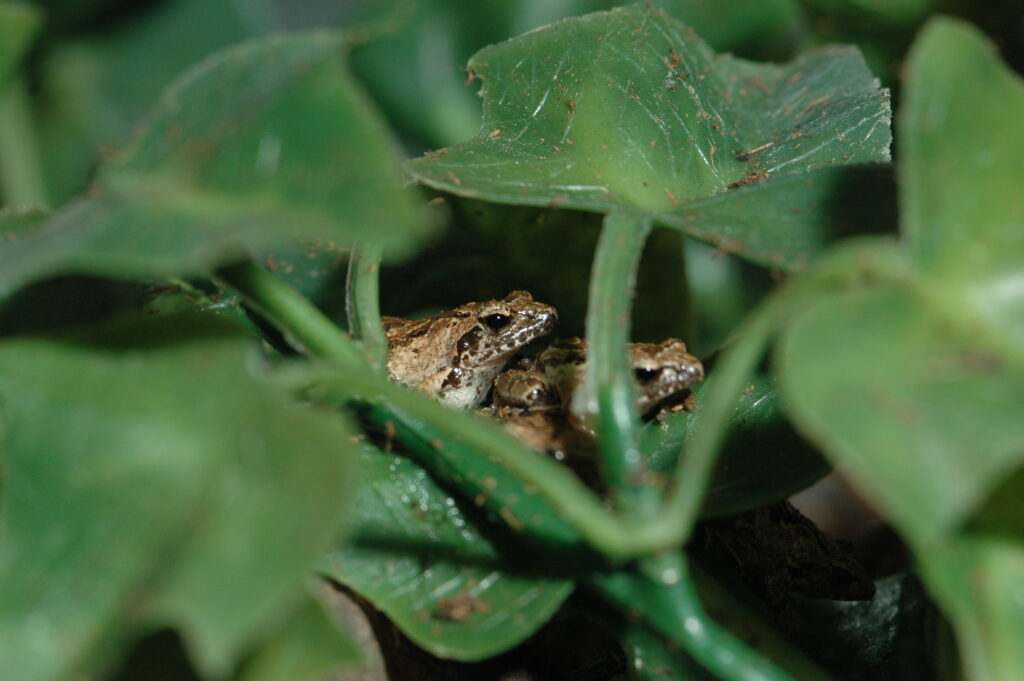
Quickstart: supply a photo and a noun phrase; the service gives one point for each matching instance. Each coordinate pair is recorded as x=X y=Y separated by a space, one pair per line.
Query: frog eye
x=646 y=375
x=497 y=321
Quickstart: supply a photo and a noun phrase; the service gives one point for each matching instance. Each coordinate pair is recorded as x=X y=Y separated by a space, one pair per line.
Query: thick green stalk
x=726 y=383
x=362 y=302
x=21 y=174
x=662 y=592
x=607 y=397
x=487 y=452
x=293 y=314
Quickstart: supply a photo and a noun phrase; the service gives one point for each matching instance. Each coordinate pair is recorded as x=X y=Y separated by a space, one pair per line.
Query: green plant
x=163 y=469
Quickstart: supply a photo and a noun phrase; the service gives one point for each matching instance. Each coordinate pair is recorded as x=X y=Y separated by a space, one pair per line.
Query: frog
x=455 y=355
x=533 y=399
x=660 y=370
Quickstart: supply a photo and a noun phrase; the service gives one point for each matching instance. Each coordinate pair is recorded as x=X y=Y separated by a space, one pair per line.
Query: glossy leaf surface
x=417 y=554
x=762 y=459
x=629 y=109
x=429 y=99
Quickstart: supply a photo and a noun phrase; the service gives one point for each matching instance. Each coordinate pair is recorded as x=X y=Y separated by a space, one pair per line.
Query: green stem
x=662 y=592
x=487 y=452
x=362 y=302
x=607 y=395
x=21 y=173
x=726 y=383
x=292 y=312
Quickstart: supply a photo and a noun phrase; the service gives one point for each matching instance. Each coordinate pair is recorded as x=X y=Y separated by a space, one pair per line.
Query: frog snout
x=545 y=320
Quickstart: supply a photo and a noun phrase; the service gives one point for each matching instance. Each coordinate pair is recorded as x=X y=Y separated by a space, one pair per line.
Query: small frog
x=455 y=355
x=533 y=399
x=659 y=369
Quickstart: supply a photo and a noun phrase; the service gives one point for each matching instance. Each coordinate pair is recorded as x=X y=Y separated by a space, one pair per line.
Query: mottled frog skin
x=533 y=399
x=659 y=369
x=454 y=356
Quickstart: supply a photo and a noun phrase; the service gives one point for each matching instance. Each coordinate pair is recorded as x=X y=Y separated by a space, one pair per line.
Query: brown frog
x=533 y=399
x=659 y=369
x=455 y=355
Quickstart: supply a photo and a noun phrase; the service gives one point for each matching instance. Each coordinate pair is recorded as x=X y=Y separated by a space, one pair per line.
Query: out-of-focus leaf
x=263 y=143
x=16 y=224
x=961 y=173
x=151 y=477
x=97 y=87
x=762 y=460
x=310 y=646
x=418 y=556
x=977 y=579
x=935 y=372
x=628 y=109
x=915 y=385
x=924 y=419
x=19 y=24
x=886 y=12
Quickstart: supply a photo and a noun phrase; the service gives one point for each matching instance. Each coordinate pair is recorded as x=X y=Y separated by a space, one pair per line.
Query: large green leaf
x=916 y=385
x=762 y=459
x=977 y=579
x=929 y=364
x=97 y=86
x=419 y=557
x=429 y=99
x=785 y=222
x=628 y=109
x=963 y=208
x=263 y=143
x=923 y=417
x=152 y=477
x=309 y=646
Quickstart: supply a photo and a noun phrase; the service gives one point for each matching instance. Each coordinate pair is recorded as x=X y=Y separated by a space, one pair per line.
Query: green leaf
x=263 y=143
x=419 y=557
x=914 y=383
x=961 y=172
x=762 y=460
x=628 y=109
x=310 y=646
x=977 y=579
x=99 y=85
x=787 y=221
x=153 y=478
x=429 y=100
x=924 y=419
x=19 y=24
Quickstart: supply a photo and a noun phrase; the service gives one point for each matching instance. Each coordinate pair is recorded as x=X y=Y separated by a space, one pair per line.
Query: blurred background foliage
x=98 y=66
